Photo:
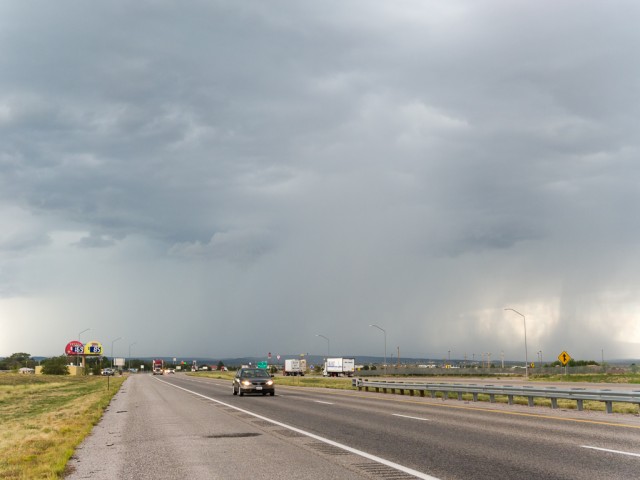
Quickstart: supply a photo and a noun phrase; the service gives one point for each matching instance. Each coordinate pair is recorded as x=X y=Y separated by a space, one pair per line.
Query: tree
x=15 y=361
x=220 y=365
x=55 y=366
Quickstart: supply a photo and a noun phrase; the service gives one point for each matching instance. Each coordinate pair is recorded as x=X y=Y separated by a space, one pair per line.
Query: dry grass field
x=44 y=417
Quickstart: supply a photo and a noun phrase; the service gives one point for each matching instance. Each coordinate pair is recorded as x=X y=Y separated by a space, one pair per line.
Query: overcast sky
x=230 y=178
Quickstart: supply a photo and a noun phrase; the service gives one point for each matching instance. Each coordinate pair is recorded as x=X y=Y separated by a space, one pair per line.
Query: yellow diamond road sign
x=564 y=358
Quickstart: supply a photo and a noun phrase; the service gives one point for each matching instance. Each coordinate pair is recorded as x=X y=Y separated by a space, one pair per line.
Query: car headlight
x=246 y=383
x=270 y=382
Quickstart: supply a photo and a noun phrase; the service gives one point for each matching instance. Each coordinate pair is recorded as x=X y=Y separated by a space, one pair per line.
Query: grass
x=319 y=382
x=44 y=417
x=589 y=378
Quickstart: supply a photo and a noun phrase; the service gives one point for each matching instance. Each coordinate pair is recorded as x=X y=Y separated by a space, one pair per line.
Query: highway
x=199 y=428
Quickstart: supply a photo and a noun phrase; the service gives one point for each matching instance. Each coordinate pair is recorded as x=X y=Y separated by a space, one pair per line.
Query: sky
x=226 y=179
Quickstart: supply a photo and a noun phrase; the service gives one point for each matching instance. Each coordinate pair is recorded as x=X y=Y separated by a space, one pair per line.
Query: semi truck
x=158 y=367
x=337 y=367
x=293 y=366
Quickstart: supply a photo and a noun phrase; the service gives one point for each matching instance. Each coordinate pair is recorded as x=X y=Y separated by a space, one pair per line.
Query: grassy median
x=632 y=378
x=44 y=417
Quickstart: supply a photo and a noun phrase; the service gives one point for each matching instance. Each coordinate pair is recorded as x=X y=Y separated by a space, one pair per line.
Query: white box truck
x=293 y=366
x=337 y=367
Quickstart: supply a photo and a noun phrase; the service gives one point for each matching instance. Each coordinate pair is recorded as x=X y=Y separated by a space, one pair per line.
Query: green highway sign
x=262 y=365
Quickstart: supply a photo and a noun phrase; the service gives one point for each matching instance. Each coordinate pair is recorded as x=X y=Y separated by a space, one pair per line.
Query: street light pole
x=85 y=330
x=328 y=344
x=385 y=346
x=130 y=345
x=119 y=338
x=526 y=356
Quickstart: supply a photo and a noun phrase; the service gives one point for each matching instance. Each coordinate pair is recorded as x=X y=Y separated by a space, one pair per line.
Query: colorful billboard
x=93 y=348
x=74 y=348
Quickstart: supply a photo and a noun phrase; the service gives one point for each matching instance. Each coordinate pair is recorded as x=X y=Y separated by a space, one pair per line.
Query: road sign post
x=564 y=358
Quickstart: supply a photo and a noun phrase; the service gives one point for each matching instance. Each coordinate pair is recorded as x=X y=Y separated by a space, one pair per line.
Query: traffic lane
x=154 y=431
x=493 y=444
x=306 y=443
x=561 y=435
x=588 y=415
x=592 y=422
x=476 y=442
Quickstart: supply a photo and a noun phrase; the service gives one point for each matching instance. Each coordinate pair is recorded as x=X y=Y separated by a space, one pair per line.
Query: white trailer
x=337 y=367
x=293 y=366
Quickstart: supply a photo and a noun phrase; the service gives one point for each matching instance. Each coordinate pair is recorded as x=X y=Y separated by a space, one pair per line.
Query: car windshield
x=255 y=373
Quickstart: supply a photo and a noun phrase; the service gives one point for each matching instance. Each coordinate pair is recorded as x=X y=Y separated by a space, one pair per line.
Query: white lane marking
x=407 y=416
x=612 y=451
x=326 y=403
x=355 y=451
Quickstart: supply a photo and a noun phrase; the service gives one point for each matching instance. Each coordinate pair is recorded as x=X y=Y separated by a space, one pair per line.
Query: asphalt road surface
x=179 y=426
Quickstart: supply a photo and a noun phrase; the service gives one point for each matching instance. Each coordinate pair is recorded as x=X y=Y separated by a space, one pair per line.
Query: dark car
x=253 y=380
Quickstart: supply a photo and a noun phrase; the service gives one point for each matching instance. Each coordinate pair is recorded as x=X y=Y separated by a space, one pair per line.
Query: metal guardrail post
x=530 y=393
x=609 y=406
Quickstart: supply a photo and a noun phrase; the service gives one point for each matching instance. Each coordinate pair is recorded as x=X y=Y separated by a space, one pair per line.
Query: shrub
x=55 y=366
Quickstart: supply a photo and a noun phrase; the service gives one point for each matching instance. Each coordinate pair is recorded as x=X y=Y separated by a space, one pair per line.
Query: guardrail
x=551 y=393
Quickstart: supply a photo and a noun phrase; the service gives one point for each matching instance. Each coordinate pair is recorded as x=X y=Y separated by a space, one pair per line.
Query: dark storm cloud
x=298 y=165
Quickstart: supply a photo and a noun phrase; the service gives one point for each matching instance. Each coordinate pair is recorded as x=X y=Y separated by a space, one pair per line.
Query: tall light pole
x=130 y=345
x=85 y=330
x=119 y=338
x=385 y=346
x=526 y=356
x=328 y=344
